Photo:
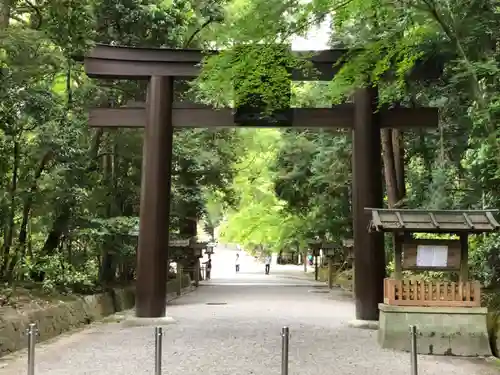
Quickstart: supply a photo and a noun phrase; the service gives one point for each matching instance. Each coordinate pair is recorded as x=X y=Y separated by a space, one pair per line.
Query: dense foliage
x=70 y=194
x=455 y=166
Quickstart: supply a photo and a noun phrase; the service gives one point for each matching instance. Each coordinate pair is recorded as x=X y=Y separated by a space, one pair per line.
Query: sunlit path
x=231 y=325
x=252 y=271
x=223 y=263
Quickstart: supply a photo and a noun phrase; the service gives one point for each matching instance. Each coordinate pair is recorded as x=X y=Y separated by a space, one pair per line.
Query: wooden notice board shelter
x=428 y=298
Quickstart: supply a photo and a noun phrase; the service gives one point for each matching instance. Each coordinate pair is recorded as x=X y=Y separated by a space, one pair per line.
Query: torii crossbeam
x=191 y=115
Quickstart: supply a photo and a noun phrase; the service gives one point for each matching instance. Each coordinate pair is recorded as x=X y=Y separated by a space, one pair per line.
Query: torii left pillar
x=152 y=253
x=369 y=254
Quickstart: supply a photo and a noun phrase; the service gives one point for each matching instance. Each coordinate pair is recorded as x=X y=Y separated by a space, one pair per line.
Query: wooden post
x=353 y=282
x=152 y=252
x=464 y=259
x=179 y=278
x=316 y=268
x=398 y=256
x=330 y=272
x=197 y=273
x=369 y=255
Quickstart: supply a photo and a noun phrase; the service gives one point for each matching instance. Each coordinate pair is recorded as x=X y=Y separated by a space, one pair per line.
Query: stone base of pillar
x=129 y=320
x=364 y=324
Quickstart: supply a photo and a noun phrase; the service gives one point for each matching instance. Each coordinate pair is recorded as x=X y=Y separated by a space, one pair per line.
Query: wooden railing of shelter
x=432 y=293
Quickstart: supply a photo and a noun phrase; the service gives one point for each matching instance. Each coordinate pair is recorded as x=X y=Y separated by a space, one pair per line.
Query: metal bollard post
x=32 y=332
x=285 y=337
x=413 y=350
x=158 y=349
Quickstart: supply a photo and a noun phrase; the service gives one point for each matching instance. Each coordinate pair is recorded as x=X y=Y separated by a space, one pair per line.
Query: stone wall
x=457 y=331
x=494 y=331
x=67 y=315
x=173 y=286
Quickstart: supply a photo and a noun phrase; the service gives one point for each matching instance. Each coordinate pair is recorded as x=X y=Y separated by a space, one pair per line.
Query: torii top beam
x=118 y=62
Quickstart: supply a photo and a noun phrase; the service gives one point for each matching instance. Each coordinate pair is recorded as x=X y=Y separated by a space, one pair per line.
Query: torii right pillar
x=369 y=253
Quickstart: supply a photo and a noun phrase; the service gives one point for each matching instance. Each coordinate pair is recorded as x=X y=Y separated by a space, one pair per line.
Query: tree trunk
x=108 y=271
x=5 y=10
x=59 y=227
x=188 y=230
x=389 y=167
x=9 y=233
x=427 y=156
x=188 y=223
x=61 y=222
x=28 y=203
x=23 y=230
x=128 y=263
x=399 y=162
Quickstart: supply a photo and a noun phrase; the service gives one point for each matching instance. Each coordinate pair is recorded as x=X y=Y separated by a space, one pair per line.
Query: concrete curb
x=64 y=317
x=61 y=317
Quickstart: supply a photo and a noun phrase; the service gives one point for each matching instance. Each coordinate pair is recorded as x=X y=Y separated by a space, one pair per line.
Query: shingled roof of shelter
x=433 y=221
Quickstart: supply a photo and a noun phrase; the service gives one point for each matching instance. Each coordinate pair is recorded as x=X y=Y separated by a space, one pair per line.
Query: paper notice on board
x=432 y=256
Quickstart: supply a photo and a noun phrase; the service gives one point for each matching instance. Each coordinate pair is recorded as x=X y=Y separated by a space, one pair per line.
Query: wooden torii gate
x=159 y=115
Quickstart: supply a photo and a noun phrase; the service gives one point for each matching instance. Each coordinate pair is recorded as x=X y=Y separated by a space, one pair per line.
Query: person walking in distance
x=237 y=262
x=268 y=264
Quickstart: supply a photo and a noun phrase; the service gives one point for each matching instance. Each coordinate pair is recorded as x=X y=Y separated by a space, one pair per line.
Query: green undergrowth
x=491 y=300
x=26 y=295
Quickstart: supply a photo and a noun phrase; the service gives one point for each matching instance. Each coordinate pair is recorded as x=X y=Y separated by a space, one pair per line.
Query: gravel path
x=238 y=338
